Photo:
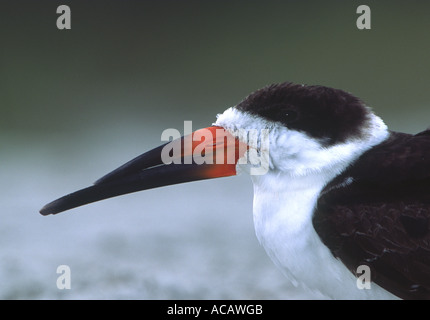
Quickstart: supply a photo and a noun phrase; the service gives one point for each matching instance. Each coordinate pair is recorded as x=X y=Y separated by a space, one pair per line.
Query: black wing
x=377 y=213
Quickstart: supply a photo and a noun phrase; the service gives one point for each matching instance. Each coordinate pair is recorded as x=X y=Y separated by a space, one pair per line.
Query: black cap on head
x=331 y=115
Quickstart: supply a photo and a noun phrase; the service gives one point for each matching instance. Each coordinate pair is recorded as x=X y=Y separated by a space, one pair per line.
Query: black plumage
x=377 y=213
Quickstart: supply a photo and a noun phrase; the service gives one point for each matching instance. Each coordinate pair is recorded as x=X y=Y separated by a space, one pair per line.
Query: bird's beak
x=205 y=154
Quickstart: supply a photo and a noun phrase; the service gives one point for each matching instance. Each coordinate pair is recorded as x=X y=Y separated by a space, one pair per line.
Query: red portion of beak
x=214 y=146
x=207 y=153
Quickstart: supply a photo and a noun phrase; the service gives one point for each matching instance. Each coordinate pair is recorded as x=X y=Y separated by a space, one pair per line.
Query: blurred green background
x=166 y=61
x=77 y=103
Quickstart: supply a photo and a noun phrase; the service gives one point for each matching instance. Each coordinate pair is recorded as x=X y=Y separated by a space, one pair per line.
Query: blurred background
x=75 y=104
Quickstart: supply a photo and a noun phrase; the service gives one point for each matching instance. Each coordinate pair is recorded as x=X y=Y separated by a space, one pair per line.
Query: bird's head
x=284 y=128
x=303 y=129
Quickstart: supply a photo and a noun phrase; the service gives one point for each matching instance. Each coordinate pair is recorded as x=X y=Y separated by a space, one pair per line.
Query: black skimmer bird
x=339 y=191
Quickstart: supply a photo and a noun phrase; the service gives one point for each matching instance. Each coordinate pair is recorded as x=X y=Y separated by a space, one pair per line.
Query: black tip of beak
x=122 y=180
x=155 y=177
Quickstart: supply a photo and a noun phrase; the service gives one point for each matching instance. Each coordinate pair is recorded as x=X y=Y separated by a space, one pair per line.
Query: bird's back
x=377 y=214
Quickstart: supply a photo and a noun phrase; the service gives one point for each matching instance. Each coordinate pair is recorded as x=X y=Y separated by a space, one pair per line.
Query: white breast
x=283 y=225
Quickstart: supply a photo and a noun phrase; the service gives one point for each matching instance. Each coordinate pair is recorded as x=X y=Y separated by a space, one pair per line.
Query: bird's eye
x=290 y=116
